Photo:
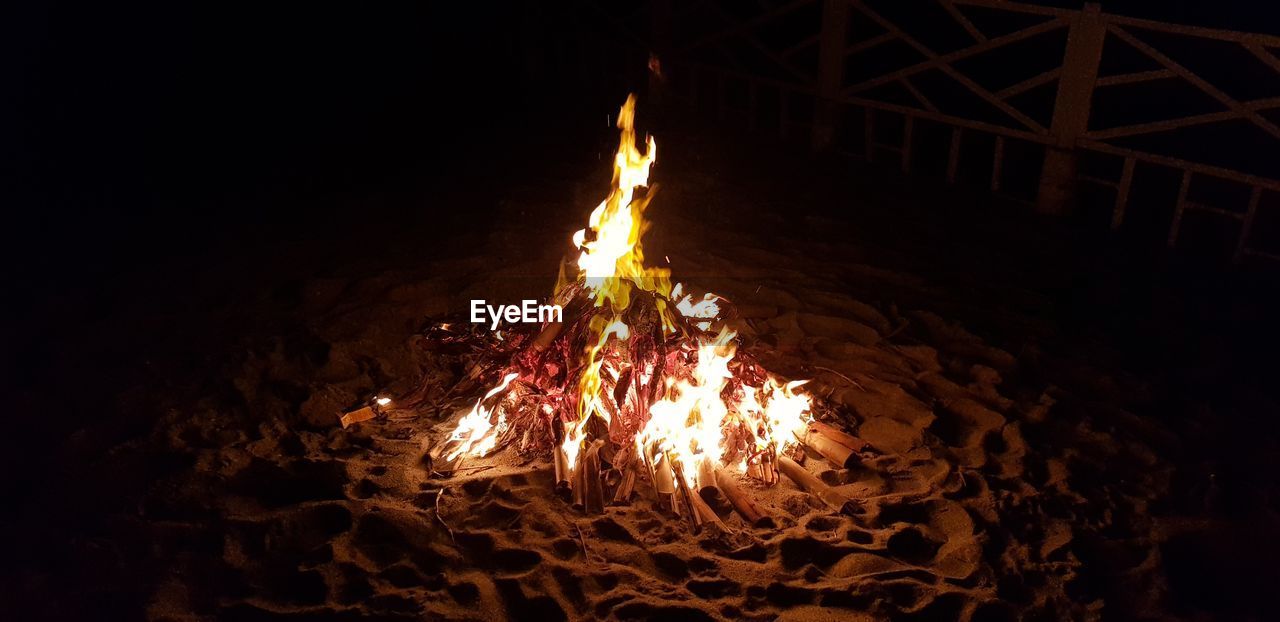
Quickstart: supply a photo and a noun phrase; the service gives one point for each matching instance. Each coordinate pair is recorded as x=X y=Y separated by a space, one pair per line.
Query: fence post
x=1057 y=190
x=831 y=44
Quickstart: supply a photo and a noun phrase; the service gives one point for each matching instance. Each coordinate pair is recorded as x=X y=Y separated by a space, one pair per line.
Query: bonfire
x=642 y=378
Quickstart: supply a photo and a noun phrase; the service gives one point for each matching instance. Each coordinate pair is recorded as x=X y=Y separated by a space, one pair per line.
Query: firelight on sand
x=704 y=412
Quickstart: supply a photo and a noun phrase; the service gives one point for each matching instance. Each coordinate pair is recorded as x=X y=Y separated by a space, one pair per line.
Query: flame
x=690 y=422
x=687 y=423
x=611 y=263
x=705 y=310
x=476 y=435
x=779 y=414
x=612 y=258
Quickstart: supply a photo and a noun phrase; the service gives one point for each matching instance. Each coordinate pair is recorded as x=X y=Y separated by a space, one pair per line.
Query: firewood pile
x=639 y=381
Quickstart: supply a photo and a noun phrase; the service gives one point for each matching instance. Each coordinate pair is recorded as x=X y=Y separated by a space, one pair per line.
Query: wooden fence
x=818 y=60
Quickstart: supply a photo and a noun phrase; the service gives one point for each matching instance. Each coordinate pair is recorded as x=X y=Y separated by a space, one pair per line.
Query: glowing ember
x=476 y=434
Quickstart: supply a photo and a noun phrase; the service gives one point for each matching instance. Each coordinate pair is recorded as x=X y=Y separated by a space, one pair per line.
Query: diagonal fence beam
x=1167 y=125
x=754 y=42
x=1029 y=83
x=937 y=60
x=1195 y=80
x=736 y=28
x=950 y=8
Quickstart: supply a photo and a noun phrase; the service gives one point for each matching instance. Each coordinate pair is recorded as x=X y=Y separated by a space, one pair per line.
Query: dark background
x=134 y=131
x=159 y=139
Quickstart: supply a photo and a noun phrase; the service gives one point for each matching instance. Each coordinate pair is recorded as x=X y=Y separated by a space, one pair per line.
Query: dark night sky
x=143 y=123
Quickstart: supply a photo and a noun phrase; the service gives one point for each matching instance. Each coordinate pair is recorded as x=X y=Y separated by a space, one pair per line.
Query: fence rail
x=748 y=53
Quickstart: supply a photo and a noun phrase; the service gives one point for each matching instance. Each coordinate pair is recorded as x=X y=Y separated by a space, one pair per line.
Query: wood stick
x=838 y=455
x=546 y=336
x=769 y=469
x=579 y=486
x=593 y=495
x=744 y=505
x=808 y=481
x=561 y=462
x=626 y=486
x=839 y=436
x=686 y=495
x=707 y=481
x=701 y=508
x=664 y=483
x=442 y=466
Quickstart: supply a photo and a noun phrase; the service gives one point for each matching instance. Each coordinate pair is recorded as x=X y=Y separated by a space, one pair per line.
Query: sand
x=1005 y=488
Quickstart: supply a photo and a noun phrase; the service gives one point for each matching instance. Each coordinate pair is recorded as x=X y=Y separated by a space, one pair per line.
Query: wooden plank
x=1140 y=76
x=1265 y=56
x=997 y=164
x=1201 y=207
x=924 y=101
x=1242 y=243
x=1197 y=81
x=981 y=126
x=943 y=65
x=1122 y=193
x=1253 y=252
x=1098 y=181
x=1178 y=208
x=908 y=126
x=741 y=27
x=867 y=44
x=795 y=49
x=869 y=132
x=1029 y=83
x=784 y=113
x=953 y=154
x=950 y=8
x=720 y=96
x=1198 y=168
x=835 y=19
x=934 y=60
x=1018 y=7
x=754 y=42
x=1166 y=125
x=1233 y=36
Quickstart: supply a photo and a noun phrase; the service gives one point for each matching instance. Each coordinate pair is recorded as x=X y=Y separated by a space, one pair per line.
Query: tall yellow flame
x=612 y=263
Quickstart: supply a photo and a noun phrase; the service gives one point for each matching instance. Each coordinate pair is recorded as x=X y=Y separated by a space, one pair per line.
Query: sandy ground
x=1013 y=482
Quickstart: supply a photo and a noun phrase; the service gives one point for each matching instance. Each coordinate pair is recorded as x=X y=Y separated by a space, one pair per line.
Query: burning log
x=744 y=505
x=806 y=480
